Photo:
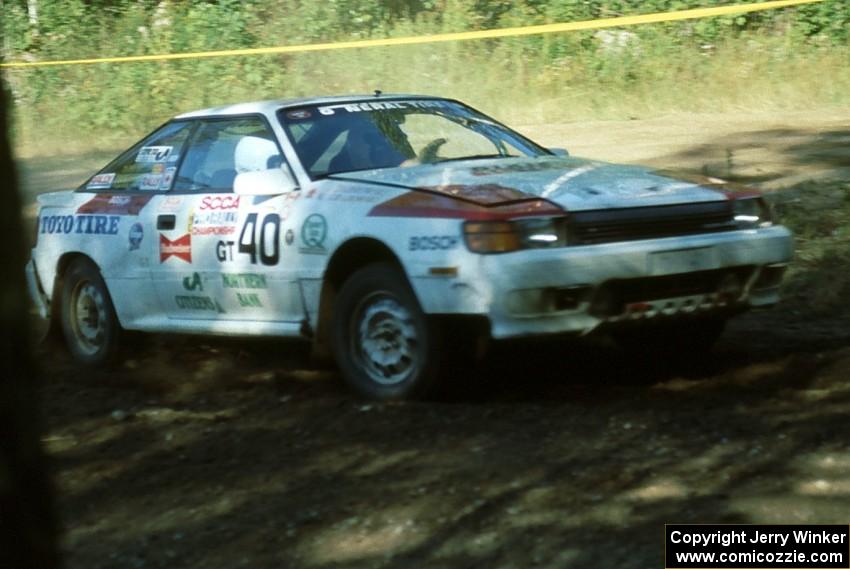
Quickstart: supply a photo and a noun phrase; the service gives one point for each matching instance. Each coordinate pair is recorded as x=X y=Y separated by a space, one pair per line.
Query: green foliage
x=771 y=58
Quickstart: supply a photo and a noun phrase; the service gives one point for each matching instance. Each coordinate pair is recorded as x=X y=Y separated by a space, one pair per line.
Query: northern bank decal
x=180 y=248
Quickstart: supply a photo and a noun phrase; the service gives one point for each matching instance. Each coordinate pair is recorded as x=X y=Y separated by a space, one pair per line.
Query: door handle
x=166 y=221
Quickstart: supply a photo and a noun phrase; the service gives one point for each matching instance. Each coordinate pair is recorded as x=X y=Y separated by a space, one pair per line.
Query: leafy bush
x=770 y=58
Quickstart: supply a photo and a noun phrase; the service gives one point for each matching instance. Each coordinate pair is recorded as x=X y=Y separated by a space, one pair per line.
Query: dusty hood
x=573 y=183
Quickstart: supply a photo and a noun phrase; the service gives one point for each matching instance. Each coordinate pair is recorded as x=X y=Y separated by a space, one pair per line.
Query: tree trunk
x=27 y=525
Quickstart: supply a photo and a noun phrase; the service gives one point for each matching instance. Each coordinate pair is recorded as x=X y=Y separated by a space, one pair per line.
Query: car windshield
x=389 y=133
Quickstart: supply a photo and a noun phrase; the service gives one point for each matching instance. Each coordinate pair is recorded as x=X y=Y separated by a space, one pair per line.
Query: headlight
x=516 y=234
x=752 y=213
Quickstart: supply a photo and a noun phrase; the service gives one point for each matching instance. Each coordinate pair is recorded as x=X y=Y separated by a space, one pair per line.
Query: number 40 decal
x=264 y=240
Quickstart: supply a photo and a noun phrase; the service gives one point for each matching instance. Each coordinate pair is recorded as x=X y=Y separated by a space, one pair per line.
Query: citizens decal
x=204 y=303
x=180 y=248
x=81 y=224
x=193 y=283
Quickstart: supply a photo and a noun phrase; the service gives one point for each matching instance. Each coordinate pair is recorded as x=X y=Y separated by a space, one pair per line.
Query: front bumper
x=576 y=289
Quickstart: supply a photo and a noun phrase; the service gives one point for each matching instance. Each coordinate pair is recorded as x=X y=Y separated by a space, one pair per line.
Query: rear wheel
x=382 y=341
x=89 y=324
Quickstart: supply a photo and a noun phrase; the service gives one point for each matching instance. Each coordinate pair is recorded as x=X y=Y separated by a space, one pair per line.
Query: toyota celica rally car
x=377 y=226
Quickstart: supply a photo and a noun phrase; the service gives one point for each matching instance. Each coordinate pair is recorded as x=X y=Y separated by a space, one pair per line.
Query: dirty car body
x=360 y=222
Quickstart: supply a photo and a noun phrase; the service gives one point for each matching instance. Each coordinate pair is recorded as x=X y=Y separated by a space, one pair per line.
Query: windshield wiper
x=473 y=157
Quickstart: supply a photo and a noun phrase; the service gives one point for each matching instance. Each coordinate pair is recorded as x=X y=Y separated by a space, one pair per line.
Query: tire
x=683 y=339
x=89 y=325
x=384 y=345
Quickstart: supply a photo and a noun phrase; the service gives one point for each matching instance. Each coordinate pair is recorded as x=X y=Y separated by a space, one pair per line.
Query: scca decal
x=180 y=248
x=220 y=202
x=432 y=243
x=84 y=224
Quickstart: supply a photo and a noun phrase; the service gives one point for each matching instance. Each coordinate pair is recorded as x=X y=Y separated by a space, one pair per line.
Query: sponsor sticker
x=186 y=302
x=150 y=182
x=314 y=231
x=381 y=106
x=153 y=154
x=243 y=280
x=213 y=222
x=432 y=243
x=101 y=181
x=115 y=205
x=299 y=114
x=249 y=300
x=223 y=202
x=137 y=233
x=167 y=178
x=171 y=204
x=193 y=283
x=81 y=224
x=181 y=248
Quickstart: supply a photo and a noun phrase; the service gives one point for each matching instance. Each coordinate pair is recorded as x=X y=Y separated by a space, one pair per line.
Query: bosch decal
x=433 y=243
x=181 y=248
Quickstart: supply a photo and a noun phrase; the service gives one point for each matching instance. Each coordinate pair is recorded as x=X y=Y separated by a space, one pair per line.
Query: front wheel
x=383 y=343
x=89 y=324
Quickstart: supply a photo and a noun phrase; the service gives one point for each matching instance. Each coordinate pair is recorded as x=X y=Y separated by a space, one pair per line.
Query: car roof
x=270 y=106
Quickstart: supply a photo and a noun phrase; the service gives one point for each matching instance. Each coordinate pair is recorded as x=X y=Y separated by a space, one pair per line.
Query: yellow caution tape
x=459 y=36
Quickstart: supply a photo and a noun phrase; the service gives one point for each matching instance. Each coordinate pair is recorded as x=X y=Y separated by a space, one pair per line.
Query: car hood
x=573 y=183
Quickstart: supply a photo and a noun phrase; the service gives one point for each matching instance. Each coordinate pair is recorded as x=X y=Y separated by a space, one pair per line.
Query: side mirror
x=559 y=151
x=264 y=183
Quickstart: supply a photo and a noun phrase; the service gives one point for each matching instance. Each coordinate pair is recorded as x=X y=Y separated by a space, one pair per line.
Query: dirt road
x=227 y=454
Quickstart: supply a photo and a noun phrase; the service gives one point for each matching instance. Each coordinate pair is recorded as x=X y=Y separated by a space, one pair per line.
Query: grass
x=819 y=215
x=517 y=80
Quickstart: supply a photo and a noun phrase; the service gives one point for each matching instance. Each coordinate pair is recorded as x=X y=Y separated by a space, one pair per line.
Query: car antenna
x=378 y=93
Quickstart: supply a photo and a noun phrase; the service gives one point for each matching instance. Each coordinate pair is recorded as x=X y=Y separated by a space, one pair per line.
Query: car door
x=122 y=201
x=220 y=253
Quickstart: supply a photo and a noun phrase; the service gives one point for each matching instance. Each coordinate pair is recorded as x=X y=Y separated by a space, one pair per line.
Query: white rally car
x=378 y=226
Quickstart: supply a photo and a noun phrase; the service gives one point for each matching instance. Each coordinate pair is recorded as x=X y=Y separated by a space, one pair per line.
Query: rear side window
x=148 y=166
x=221 y=149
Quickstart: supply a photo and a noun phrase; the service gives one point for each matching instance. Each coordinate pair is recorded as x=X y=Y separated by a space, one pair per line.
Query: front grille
x=632 y=224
